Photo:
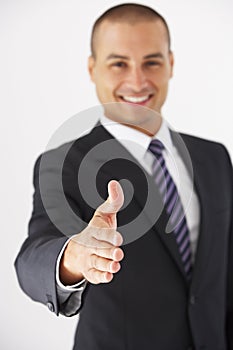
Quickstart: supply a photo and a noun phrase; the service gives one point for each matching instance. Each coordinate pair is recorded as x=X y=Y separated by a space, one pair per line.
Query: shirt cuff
x=74 y=287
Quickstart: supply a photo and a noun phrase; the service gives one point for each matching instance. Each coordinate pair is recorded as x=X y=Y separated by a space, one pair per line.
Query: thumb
x=114 y=201
x=105 y=214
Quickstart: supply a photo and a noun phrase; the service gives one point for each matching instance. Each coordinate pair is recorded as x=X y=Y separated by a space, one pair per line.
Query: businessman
x=165 y=291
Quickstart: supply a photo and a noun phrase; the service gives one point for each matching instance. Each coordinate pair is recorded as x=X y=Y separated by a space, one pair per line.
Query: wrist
x=68 y=273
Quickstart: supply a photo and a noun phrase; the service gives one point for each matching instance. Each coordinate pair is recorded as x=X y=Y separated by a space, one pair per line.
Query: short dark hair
x=131 y=13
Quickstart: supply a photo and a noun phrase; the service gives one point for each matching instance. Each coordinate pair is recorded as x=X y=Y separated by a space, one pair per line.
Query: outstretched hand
x=94 y=253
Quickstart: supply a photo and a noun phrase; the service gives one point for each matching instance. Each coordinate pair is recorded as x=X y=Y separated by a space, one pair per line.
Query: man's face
x=132 y=64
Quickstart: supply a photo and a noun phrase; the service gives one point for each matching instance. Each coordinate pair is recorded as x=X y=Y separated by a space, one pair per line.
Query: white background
x=44 y=81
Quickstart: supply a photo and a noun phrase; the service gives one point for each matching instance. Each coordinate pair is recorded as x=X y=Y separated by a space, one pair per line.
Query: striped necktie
x=173 y=205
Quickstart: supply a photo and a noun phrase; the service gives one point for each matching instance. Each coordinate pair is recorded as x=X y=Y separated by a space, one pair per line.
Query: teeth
x=133 y=99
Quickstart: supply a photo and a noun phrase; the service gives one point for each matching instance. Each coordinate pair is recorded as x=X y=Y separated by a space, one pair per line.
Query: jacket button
x=192 y=300
x=50 y=306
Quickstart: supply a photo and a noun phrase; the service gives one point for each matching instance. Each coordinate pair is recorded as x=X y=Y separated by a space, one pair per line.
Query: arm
x=229 y=316
x=229 y=319
x=37 y=260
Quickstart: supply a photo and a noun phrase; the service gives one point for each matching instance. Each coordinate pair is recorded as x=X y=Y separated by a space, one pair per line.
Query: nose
x=137 y=79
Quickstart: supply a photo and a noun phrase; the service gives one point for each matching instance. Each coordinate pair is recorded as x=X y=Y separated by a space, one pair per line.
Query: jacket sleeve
x=52 y=222
x=229 y=316
x=229 y=319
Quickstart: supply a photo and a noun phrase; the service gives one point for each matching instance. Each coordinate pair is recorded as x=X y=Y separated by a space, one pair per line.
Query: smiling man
x=132 y=62
x=155 y=290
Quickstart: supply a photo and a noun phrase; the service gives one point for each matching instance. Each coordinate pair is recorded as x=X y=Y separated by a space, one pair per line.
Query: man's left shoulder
x=202 y=145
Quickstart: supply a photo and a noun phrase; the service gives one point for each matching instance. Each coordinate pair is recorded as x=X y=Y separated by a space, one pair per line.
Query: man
x=157 y=291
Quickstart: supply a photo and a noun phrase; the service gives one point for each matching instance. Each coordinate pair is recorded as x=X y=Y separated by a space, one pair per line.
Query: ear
x=91 y=67
x=171 y=60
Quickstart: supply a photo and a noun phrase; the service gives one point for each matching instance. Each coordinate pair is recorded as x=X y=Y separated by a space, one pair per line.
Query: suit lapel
x=198 y=170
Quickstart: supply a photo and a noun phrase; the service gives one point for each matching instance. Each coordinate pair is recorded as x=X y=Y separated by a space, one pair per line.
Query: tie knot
x=156 y=147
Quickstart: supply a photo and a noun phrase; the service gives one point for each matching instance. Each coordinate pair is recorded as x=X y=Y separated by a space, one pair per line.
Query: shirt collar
x=164 y=135
x=135 y=141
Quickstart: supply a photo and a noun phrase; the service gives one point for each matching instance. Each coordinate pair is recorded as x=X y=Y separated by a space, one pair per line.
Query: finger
x=103 y=264
x=106 y=235
x=98 y=238
x=115 y=254
x=87 y=239
x=95 y=276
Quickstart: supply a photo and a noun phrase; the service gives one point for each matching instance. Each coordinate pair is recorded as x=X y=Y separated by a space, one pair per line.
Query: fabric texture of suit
x=149 y=304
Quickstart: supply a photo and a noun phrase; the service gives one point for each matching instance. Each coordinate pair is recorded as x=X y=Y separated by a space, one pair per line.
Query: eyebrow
x=154 y=55
x=116 y=56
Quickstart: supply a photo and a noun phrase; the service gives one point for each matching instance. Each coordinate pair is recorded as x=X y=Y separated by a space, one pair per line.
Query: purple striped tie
x=173 y=205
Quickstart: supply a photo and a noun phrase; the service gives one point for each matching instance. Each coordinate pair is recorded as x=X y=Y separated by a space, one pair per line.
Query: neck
x=148 y=130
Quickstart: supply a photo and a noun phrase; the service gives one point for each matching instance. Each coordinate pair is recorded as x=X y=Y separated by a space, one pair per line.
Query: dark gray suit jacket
x=149 y=304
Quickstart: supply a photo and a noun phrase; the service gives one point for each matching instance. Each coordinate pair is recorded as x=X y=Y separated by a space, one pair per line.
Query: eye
x=119 y=64
x=152 y=63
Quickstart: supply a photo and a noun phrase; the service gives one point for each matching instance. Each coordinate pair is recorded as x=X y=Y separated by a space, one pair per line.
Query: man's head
x=127 y=13
x=131 y=59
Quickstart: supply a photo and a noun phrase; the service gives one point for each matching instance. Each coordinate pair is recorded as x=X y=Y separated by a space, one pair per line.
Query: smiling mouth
x=136 y=100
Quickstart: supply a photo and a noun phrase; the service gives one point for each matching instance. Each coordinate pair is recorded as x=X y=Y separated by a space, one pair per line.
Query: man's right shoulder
x=75 y=149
